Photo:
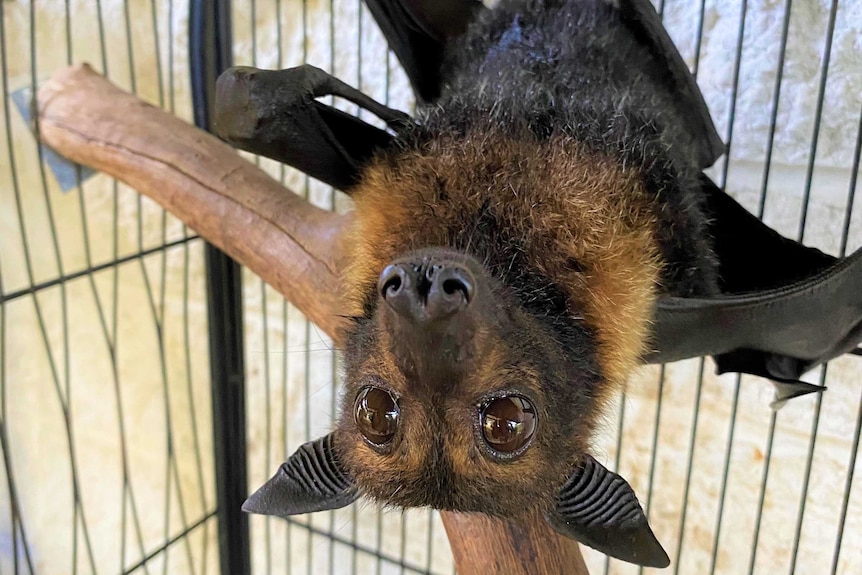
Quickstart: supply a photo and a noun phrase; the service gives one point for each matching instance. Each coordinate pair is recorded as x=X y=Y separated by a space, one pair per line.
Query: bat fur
x=554 y=163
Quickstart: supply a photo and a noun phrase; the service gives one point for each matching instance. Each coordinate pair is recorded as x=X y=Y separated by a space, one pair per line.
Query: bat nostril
x=435 y=291
x=451 y=291
x=452 y=287
x=391 y=281
x=457 y=282
x=392 y=286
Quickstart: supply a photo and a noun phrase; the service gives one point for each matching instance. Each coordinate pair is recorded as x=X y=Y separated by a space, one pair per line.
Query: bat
x=539 y=229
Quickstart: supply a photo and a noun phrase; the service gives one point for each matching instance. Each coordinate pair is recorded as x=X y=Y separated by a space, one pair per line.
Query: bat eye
x=376 y=415
x=508 y=423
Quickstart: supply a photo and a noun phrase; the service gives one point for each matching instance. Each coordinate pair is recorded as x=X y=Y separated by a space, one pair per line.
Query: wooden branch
x=481 y=544
x=290 y=244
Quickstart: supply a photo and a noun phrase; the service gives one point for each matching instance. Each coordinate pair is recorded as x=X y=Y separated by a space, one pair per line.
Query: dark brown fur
x=571 y=214
x=580 y=220
x=577 y=220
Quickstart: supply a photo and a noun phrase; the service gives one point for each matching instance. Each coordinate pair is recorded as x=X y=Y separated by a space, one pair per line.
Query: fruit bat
x=538 y=229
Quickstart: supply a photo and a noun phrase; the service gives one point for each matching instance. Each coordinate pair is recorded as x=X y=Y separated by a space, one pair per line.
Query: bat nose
x=428 y=290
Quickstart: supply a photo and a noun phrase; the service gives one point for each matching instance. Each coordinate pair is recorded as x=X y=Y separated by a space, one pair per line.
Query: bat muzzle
x=428 y=289
x=432 y=304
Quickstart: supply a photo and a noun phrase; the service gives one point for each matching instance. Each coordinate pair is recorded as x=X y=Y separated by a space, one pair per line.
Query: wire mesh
x=105 y=430
x=105 y=422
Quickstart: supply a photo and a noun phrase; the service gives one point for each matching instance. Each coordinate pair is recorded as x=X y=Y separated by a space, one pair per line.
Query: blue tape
x=65 y=171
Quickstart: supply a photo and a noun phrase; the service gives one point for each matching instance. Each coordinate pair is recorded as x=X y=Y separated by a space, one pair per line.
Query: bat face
x=456 y=395
x=481 y=357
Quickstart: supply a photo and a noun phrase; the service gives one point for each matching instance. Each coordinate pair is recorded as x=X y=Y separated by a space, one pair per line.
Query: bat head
x=490 y=328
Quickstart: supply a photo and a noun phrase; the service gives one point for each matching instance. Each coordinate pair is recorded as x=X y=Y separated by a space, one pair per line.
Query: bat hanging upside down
x=508 y=251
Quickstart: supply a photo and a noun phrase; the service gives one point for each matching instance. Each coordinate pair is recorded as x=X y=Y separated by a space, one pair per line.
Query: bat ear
x=598 y=508
x=312 y=479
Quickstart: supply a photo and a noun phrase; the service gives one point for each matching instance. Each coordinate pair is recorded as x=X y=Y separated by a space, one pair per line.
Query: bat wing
x=785 y=308
x=275 y=113
x=418 y=31
x=672 y=72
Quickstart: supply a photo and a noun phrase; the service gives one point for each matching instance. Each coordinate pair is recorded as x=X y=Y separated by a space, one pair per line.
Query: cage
x=120 y=445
